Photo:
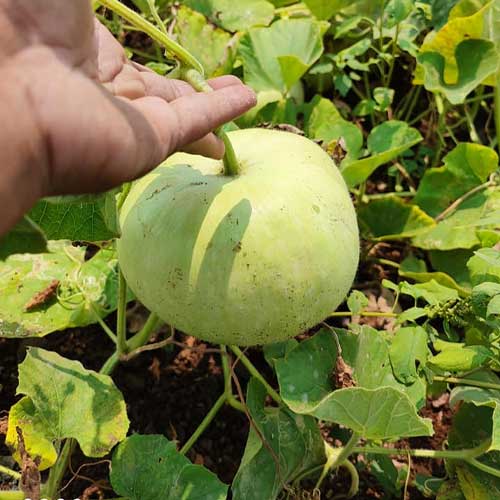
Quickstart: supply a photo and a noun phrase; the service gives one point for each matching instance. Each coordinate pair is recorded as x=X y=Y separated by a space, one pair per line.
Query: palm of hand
x=103 y=119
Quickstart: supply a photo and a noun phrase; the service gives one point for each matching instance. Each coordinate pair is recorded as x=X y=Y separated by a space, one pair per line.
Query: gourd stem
x=255 y=373
x=196 y=80
x=180 y=53
x=467 y=381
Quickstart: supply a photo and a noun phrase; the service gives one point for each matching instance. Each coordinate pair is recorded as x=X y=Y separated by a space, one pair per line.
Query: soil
x=169 y=391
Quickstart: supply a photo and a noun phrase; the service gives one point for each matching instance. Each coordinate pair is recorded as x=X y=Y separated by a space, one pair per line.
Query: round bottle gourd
x=250 y=259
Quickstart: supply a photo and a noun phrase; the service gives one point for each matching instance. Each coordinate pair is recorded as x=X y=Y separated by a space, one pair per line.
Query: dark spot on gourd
x=316 y=209
x=237 y=247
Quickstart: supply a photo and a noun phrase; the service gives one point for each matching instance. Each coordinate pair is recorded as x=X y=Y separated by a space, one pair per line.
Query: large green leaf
x=408 y=347
x=235 y=16
x=457 y=357
x=77 y=218
x=369 y=356
x=275 y=58
x=385 y=143
x=64 y=400
x=460 y=229
x=466 y=167
x=76 y=292
x=476 y=60
x=416 y=269
x=151 y=468
x=475 y=20
x=480 y=397
x=383 y=413
x=391 y=218
x=325 y=123
x=304 y=373
x=474 y=483
x=213 y=47
x=293 y=444
x=325 y=9
x=24 y=237
x=485 y=266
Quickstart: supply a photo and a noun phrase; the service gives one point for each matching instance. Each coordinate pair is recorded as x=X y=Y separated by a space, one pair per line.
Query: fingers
x=210 y=146
x=201 y=113
x=170 y=89
x=187 y=122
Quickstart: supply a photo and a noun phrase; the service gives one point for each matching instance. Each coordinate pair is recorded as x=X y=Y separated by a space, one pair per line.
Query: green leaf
x=476 y=61
x=295 y=442
x=457 y=357
x=368 y=355
x=475 y=483
x=83 y=289
x=482 y=397
x=151 y=468
x=460 y=229
x=325 y=123
x=276 y=57
x=357 y=301
x=213 y=47
x=391 y=218
x=385 y=143
x=397 y=11
x=325 y=9
x=466 y=167
x=485 y=266
x=304 y=373
x=64 y=400
x=416 y=269
x=383 y=413
x=77 y=218
x=475 y=20
x=235 y=16
x=486 y=299
x=24 y=237
x=408 y=347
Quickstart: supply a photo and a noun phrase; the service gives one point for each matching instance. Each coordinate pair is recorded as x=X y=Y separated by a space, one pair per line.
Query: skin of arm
x=77 y=116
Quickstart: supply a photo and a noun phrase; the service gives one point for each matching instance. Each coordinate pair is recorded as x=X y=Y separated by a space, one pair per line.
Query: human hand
x=94 y=118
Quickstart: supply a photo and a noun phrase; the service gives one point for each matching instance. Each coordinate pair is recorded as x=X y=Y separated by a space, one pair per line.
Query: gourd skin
x=244 y=260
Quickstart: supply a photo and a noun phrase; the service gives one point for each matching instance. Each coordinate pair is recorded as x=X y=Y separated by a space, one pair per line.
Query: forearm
x=22 y=158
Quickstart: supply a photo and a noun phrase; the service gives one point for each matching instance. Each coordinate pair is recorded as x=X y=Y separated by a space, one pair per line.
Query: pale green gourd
x=250 y=259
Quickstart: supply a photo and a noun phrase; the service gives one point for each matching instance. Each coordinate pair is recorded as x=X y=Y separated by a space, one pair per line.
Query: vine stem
x=497 y=108
x=255 y=373
x=121 y=320
x=151 y=30
x=204 y=424
x=465 y=454
x=367 y=314
x=467 y=381
x=335 y=457
x=228 y=388
x=9 y=472
x=139 y=339
x=448 y=211
x=57 y=472
x=12 y=495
